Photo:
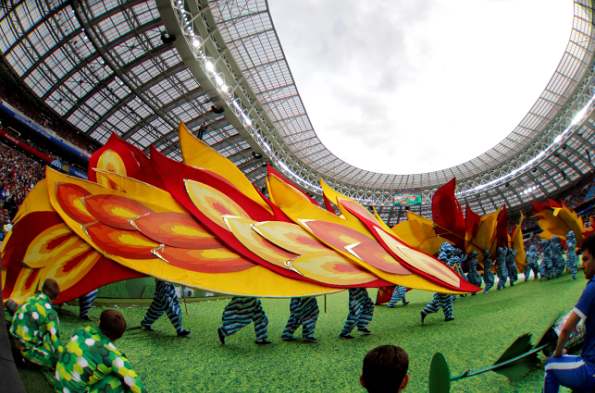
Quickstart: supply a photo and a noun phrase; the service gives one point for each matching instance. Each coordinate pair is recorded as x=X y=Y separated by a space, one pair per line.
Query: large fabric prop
x=557 y=219
x=202 y=224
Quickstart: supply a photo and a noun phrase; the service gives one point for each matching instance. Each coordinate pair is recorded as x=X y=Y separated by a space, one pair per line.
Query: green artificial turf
x=485 y=326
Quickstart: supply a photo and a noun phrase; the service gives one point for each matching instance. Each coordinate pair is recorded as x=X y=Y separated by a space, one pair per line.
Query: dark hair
x=589 y=244
x=384 y=369
x=112 y=324
x=51 y=288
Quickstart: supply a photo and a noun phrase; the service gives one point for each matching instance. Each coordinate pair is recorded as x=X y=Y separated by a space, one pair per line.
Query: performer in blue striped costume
x=165 y=300
x=532 y=264
x=441 y=300
x=85 y=303
x=240 y=312
x=571 y=254
x=398 y=295
x=473 y=275
x=557 y=257
x=546 y=268
x=361 y=310
x=501 y=271
x=488 y=276
x=304 y=312
x=511 y=266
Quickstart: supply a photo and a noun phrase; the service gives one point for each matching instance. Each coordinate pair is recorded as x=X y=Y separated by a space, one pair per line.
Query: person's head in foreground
x=385 y=370
x=112 y=324
x=51 y=288
x=588 y=254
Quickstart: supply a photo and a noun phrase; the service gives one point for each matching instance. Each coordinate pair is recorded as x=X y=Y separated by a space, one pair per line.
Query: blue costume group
x=488 y=276
x=165 y=300
x=571 y=259
x=532 y=265
x=361 y=310
x=303 y=312
x=442 y=301
x=557 y=259
x=502 y=270
x=546 y=268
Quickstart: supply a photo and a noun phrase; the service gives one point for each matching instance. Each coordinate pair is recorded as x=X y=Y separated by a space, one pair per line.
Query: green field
x=485 y=325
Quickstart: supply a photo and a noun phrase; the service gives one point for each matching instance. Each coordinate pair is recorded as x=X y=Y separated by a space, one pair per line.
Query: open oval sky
x=419 y=85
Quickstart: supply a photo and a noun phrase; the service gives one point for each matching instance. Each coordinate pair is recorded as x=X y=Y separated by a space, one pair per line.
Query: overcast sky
x=411 y=86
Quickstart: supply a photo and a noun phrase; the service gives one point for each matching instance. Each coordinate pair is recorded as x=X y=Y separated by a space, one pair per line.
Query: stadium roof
x=107 y=66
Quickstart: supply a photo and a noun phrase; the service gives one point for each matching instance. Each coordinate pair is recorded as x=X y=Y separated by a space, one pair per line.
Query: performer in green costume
x=91 y=363
x=35 y=327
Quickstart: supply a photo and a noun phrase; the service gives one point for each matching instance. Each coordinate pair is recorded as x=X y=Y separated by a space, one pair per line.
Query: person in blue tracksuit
x=441 y=300
x=85 y=303
x=398 y=295
x=361 y=310
x=557 y=257
x=576 y=372
x=502 y=270
x=513 y=274
x=303 y=312
x=240 y=312
x=571 y=254
x=532 y=265
x=472 y=274
x=488 y=276
x=165 y=300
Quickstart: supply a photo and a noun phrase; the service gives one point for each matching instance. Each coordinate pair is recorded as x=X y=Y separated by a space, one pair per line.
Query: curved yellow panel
x=213 y=203
x=242 y=230
x=257 y=281
x=288 y=236
x=36 y=201
x=198 y=154
x=331 y=268
x=25 y=285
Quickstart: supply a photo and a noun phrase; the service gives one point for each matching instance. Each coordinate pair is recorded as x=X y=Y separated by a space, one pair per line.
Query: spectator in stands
x=385 y=369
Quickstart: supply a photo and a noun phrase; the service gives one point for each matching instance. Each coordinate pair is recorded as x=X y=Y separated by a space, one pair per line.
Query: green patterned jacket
x=35 y=320
x=88 y=358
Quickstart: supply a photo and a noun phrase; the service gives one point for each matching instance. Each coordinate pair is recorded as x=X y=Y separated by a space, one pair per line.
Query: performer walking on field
x=502 y=270
x=488 y=276
x=557 y=257
x=304 y=312
x=361 y=310
x=571 y=254
x=441 y=300
x=165 y=300
x=239 y=313
x=546 y=268
x=473 y=275
x=511 y=266
x=398 y=295
x=532 y=264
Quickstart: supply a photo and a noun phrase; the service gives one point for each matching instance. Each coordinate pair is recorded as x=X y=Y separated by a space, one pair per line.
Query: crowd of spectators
x=37 y=113
x=18 y=175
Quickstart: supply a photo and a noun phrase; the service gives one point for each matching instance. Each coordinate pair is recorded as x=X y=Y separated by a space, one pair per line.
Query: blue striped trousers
x=304 y=312
x=440 y=301
x=86 y=301
x=502 y=275
x=571 y=262
x=240 y=312
x=488 y=279
x=398 y=295
x=165 y=300
x=361 y=310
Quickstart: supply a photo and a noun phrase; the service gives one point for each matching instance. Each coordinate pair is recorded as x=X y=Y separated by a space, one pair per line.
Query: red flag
x=448 y=214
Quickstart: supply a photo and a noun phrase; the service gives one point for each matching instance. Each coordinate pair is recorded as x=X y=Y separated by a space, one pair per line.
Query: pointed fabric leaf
x=198 y=154
x=123 y=243
x=114 y=210
x=331 y=268
x=37 y=202
x=25 y=285
x=518 y=244
x=219 y=260
x=176 y=230
x=289 y=236
x=518 y=369
x=115 y=157
x=502 y=229
x=70 y=197
x=448 y=215
x=419 y=233
x=242 y=230
x=272 y=172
